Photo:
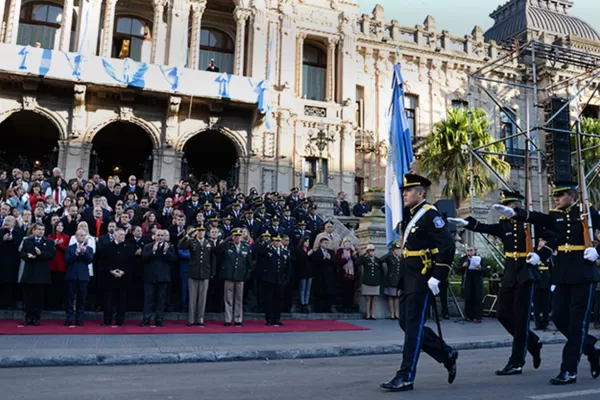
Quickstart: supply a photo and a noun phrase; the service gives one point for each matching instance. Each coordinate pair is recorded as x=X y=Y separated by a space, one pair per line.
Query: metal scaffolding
x=540 y=71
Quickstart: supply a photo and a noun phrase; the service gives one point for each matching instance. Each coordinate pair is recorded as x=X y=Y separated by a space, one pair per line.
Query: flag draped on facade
x=399 y=160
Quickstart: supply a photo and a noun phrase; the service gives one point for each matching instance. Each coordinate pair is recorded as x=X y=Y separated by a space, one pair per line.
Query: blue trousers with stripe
x=571 y=310
x=417 y=336
x=514 y=312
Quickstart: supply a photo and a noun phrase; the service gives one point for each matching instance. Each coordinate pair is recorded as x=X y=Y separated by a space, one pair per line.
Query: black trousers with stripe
x=571 y=310
x=417 y=336
x=514 y=312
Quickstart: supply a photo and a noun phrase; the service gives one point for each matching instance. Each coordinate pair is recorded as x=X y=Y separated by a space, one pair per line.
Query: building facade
x=285 y=70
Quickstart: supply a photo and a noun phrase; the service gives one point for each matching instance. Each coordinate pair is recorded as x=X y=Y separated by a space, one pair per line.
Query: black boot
x=450 y=365
x=397 y=384
x=510 y=369
x=537 y=356
x=564 y=378
x=145 y=322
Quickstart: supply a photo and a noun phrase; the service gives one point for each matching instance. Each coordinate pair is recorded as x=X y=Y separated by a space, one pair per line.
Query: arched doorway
x=210 y=157
x=123 y=149
x=29 y=141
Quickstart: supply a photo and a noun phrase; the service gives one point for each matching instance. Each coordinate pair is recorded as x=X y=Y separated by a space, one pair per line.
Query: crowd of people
x=77 y=244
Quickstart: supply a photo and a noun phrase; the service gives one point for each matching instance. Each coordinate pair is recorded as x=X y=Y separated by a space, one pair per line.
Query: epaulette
x=504 y=218
x=557 y=210
x=427 y=207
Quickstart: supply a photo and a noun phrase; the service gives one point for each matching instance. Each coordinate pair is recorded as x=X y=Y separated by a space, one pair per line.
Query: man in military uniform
x=287 y=222
x=275 y=229
x=236 y=214
x=301 y=212
x=299 y=233
x=575 y=276
x=428 y=250
x=293 y=201
x=254 y=226
x=541 y=294
x=520 y=275
x=273 y=270
x=235 y=268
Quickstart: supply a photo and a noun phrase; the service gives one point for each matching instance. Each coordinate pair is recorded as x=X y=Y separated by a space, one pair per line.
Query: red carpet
x=55 y=327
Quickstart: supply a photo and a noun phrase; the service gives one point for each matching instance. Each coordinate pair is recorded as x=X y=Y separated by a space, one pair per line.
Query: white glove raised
x=433 y=286
x=533 y=259
x=591 y=254
x=552 y=288
x=504 y=211
x=458 y=221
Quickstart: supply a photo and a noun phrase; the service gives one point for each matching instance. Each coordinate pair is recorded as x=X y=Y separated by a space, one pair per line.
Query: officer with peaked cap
x=520 y=274
x=428 y=251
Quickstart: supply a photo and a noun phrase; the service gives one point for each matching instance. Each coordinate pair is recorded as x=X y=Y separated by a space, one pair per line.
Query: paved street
x=327 y=378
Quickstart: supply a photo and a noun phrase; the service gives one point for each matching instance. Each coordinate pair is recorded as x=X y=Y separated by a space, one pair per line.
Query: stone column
x=197 y=11
x=66 y=25
x=108 y=28
x=2 y=7
x=331 y=46
x=287 y=61
x=241 y=16
x=258 y=44
x=12 y=22
x=88 y=26
x=157 y=36
x=299 y=59
x=177 y=35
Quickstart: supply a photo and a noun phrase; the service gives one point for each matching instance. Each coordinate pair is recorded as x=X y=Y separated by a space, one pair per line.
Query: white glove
x=458 y=221
x=552 y=288
x=591 y=254
x=533 y=259
x=433 y=286
x=504 y=211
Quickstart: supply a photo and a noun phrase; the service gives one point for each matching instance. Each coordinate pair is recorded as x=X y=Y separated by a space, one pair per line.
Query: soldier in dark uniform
x=287 y=222
x=273 y=271
x=226 y=227
x=314 y=223
x=520 y=275
x=575 y=276
x=236 y=214
x=293 y=201
x=253 y=225
x=428 y=251
x=190 y=207
x=299 y=233
x=301 y=211
x=275 y=229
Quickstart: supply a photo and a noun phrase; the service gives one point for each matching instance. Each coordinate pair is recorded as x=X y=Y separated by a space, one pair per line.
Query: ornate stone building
x=125 y=88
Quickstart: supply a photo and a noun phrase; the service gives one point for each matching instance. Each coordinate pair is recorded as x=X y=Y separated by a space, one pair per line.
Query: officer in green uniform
x=393 y=261
x=428 y=251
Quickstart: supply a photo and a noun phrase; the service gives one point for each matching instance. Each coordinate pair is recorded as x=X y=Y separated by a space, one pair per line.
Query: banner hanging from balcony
x=114 y=72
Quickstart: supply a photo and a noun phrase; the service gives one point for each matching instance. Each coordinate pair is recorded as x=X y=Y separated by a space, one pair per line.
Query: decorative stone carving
x=29 y=102
x=430 y=24
x=317 y=18
x=379 y=13
x=214 y=123
x=173 y=111
x=79 y=95
x=125 y=113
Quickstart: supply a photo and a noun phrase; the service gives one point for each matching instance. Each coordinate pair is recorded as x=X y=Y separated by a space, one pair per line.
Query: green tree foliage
x=444 y=154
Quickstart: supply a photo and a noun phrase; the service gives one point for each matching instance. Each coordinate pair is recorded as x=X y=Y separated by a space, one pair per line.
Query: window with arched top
x=40 y=23
x=132 y=38
x=216 y=46
x=314 y=73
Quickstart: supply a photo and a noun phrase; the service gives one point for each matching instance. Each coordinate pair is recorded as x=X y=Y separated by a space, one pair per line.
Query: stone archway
x=122 y=148
x=29 y=141
x=210 y=156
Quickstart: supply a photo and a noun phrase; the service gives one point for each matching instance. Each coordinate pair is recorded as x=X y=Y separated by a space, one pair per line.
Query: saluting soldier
x=202 y=268
x=273 y=271
x=293 y=201
x=275 y=229
x=236 y=214
x=262 y=215
x=392 y=260
x=254 y=226
x=575 y=276
x=235 y=268
x=518 y=281
x=428 y=251
x=301 y=211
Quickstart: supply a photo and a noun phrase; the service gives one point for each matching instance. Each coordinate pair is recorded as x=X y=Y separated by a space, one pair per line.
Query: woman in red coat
x=58 y=267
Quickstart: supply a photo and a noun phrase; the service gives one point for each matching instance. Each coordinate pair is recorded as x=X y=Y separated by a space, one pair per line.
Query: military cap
x=236 y=204
x=266 y=234
x=200 y=228
x=215 y=218
x=237 y=233
x=313 y=207
x=241 y=196
x=227 y=217
x=280 y=198
x=562 y=186
x=275 y=218
x=248 y=212
x=286 y=208
x=262 y=205
x=277 y=238
x=508 y=196
x=396 y=245
x=231 y=189
x=303 y=223
x=216 y=196
x=412 y=180
x=194 y=193
x=295 y=190
x=207 y=203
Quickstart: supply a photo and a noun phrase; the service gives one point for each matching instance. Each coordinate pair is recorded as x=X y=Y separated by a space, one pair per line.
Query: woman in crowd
x=346 y=257
x=302 y=265
x=56 y=191
x=19 y=200
x=67 y=202
x=73 y=188
x=392 y=277
x=35 y=194
x=149 y=221
x=372 y=277
x=58 y=267
x=130 y=201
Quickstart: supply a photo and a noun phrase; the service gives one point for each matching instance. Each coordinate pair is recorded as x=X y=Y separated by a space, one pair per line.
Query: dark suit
x=77 y=278
x=472 y=288
x=113 y=256
x=273 y=271
x=325 y=277
x=157 y=275
x=136 y=300
x=9 y=265
x=36 y=274
x=92 y=222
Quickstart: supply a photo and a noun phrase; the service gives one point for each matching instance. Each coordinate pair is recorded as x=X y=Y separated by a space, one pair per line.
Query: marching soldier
x=518 y=281
x=273 y=271
x=428 y=251
x=574 y=274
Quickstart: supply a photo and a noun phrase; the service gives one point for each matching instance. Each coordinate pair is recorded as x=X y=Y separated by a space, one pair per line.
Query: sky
x=460 y=16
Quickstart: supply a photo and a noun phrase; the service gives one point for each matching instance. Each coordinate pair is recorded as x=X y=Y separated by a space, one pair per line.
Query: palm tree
x=443 y=155
x=590 y=156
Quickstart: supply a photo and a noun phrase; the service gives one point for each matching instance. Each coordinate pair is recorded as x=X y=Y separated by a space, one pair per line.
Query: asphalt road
x=331 y=379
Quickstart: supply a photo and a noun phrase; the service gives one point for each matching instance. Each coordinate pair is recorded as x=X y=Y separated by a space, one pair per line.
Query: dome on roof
x=550 y=16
